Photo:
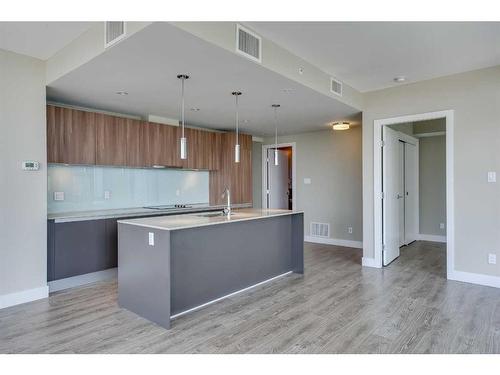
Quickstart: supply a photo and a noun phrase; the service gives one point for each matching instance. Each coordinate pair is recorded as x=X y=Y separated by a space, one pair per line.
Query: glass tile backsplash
x=88 y=188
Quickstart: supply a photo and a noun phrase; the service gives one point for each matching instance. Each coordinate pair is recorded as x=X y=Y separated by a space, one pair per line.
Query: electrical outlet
x=441 y=225
x=349 y=229
x=492 y=258
x=107 y=194
x=178 y=192
x=151 y=239
x=58 y=195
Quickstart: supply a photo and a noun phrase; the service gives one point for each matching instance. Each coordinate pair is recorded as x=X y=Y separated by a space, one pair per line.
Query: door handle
x=399 y=196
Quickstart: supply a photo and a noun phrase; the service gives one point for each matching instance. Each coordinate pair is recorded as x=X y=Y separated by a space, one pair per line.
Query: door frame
x=293 y=145
x=448 y=115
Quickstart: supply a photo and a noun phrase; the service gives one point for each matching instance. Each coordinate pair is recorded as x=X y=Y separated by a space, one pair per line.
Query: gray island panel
x=193 y=266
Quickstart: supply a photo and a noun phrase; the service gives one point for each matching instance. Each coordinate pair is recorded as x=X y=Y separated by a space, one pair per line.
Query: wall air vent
x=248 y=43
x=336 y=86
x=114 y=31
x=320 y=229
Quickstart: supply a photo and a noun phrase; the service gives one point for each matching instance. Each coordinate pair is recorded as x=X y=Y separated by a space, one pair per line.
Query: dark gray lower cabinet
x=80 y=247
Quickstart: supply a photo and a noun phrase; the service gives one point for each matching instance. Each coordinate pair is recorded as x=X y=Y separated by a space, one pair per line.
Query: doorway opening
x=278 y=181
x=413 y=185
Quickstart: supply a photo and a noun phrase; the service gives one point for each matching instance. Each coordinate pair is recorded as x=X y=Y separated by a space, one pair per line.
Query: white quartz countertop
x=130 y=212
x=176 y=222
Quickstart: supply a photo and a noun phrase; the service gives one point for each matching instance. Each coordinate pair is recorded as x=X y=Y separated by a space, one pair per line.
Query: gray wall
x=332 y=160
x=474 y=96
x=23 y=195
x=432 y=185
x=257 y=174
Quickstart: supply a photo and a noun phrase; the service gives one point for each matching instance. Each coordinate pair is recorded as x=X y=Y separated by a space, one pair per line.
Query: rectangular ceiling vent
x=114 y=32
x=248 y=44
x=320 y=229
x=336 y=86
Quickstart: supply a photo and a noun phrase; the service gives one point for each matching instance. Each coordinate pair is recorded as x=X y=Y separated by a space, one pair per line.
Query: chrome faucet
x=227 y=193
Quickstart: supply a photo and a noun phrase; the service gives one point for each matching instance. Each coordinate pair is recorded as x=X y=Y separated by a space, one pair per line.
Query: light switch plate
x=151 y=239
x=307 y=181
x=107 y=194
x=349 y=229
x=441 y=225
x=492 y=258
x=492 y=176
x=58 y=195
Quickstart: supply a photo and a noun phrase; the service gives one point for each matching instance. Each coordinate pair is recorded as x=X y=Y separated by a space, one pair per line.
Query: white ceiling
x=39 y=39
x=369 y=55
x=146 y=64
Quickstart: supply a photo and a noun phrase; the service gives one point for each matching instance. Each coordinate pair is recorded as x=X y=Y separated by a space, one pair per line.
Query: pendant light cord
x=275 y=128
x=182 y=106
x=237 y=120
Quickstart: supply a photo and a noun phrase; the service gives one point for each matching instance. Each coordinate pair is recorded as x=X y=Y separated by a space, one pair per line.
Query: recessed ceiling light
x=287 y=91
x=122 y=93
x=400 y=79
x=341 y=125
x=194 y=109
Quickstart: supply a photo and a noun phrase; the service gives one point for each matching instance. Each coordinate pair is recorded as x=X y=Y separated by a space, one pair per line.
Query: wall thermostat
x=30 y=165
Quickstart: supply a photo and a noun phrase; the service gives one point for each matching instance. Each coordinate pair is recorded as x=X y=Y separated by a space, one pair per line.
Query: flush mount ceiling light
x=122 y=93
x=194 y=109
x=275 y=107
x=399 y=79
x=183 y=139
x=236 y=95
x=342 y=125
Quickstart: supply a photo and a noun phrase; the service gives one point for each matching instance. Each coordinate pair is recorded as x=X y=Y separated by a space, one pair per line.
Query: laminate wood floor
x=336 y=307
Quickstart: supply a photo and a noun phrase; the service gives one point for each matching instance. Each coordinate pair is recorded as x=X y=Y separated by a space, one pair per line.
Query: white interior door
x=278 y=179
x=401 y=188
x=411 y=193
x=391 y=185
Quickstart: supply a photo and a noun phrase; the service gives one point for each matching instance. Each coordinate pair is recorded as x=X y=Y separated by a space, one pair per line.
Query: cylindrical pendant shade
x=276 y=156
x=237 y=153
x=183 y=148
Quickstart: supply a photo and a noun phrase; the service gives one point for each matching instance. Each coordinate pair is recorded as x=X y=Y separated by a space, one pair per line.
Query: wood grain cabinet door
x=70 y=136
x=55 y=134
x=79 y=137
x=162 y=145
x=137 y=143
x=111 y=134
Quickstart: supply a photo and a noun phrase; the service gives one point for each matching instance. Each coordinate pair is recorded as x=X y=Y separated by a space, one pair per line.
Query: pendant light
x=275 y=107
x=237 y=145
x=183 y=139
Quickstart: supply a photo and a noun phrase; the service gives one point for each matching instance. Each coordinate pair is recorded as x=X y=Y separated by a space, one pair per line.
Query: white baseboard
x=475 y=278
x=71 y=282
x=24 y=296
x=431 y=238
x=369 y=262
x=334 y=241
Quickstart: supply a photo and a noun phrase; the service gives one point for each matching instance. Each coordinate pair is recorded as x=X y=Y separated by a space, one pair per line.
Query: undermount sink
x=212 y=214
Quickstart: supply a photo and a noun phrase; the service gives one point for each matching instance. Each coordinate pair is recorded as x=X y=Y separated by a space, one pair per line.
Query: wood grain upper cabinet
x=162 y=145
x=204 y=149
x=71 y=136
x=111 y=135
x=236 y=176
x=137 y=143
x=55 y=135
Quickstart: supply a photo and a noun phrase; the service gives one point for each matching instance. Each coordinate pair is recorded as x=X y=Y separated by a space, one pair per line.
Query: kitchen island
x=171 y=265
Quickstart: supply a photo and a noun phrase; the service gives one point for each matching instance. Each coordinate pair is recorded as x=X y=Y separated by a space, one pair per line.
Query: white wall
x=23 y=195
x=332 y=160
x=475 y=98
x=432 y=185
